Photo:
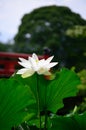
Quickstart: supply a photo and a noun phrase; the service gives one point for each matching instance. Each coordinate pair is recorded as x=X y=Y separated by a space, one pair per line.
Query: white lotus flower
x=33 y=64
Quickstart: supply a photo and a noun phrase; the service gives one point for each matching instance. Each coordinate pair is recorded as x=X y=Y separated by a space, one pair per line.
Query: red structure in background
x=9 y=62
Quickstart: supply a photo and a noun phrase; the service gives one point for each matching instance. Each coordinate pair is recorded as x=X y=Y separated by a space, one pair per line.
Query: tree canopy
x=6 y=47
x=49 y=27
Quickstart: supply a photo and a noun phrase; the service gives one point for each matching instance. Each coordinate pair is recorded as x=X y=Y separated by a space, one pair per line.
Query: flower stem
x=45 y=126
x=45 y=111
x=38 y=98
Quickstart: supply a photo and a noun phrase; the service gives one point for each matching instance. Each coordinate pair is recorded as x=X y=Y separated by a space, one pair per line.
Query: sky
x=11 y=12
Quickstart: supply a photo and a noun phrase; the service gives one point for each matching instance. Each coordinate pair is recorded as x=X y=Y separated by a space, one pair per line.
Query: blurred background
x=54 y=27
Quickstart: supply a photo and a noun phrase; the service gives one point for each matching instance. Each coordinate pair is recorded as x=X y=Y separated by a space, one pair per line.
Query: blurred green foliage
x=54 y=27
x=77 y=32
x=82 y=75
x=6 y=47
x=82 y=90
